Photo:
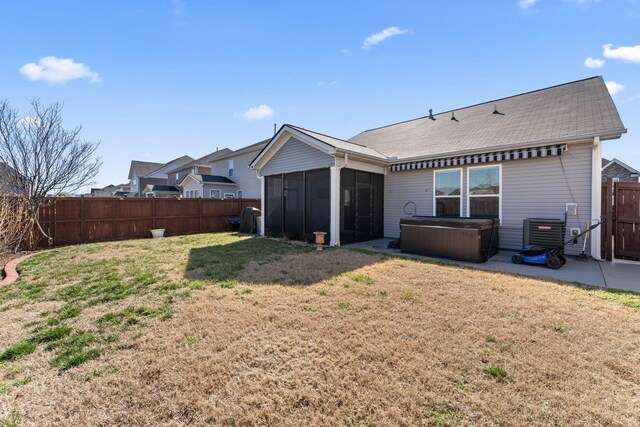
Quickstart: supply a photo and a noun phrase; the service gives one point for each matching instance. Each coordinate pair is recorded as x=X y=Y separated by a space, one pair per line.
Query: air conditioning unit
x=548 y=233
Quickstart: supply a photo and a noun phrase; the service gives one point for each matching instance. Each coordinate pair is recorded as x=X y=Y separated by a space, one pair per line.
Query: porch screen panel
x=317 y=203
x=293 y=191
x=347 y=206
x=273 y=206
x=377 y=181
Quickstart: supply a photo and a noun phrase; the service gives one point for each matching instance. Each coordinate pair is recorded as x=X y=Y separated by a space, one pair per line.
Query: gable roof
x=244 y=150
x=178 y=161
x=156 y=188
x=618 y=162
x=209 y=179
x=202 y=161
x=572 y=111
x=142 y=169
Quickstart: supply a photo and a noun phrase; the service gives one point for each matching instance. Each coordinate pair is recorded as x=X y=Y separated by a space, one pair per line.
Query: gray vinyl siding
x=295 y=156
x=246 y=178
x=540 y=188
x=535 y=188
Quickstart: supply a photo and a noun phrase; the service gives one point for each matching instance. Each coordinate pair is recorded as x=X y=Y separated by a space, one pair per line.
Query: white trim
x=211 y=196
x=334 y=226
x=262 y=205
x=231 y=196
x=451 y=197
x=499 y=166
x=619 y=163
x=281 y=138
x=366 y=167
x=596 y=195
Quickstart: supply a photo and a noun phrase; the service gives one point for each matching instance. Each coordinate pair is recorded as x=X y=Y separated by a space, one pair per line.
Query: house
x=524 y=156
x=618 y=171
x=201 y=166
x=120 y=190
x=229 y=176
x=12 y=183
x=142 y=174
x=161 y=190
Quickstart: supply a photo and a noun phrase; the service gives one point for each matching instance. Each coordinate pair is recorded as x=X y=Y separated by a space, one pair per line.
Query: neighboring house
x=121 y=190
x=230 y=176
x=201 y=166
x=142 y=174
x=8 y=177
x=524 y=156
x=161 y=190
x=618 y=171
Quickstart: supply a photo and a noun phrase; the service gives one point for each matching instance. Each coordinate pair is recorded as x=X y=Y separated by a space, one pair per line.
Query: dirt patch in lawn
x=368 y=341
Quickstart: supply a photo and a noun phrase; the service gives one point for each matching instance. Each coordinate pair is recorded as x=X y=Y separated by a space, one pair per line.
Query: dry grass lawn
x=228 y=330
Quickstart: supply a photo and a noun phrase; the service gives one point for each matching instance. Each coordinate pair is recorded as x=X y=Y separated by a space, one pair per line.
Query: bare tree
x=42 y=159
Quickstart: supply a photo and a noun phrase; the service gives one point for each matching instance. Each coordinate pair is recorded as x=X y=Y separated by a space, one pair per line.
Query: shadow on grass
x=267 y=261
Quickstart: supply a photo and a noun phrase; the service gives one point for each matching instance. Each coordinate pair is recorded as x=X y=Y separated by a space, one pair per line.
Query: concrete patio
x=621 y=275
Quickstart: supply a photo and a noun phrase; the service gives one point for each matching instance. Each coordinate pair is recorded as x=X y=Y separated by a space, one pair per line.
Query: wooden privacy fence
x=71 y=220
x=621 y=210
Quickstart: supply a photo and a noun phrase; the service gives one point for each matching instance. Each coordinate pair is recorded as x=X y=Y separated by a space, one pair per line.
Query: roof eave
x=564 y=140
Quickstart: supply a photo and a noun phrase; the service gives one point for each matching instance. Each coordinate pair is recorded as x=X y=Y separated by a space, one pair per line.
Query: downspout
x=262 y=201
x=596 y=195
x=335 y=200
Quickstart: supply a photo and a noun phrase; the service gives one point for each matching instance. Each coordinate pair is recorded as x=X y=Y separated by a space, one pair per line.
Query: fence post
x=83 y=225
x=200 y=208
x=609 y=215
x=153 y=213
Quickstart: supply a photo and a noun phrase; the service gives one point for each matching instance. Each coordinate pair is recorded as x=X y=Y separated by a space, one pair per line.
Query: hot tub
x=465 y=239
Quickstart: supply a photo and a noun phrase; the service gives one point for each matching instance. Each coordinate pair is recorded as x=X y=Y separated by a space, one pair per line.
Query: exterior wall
x=191 y=184
x=535 y=188
x=246 y=178
x=295 y=156
x=616 y=171
x=223 y=189
x=143 y=182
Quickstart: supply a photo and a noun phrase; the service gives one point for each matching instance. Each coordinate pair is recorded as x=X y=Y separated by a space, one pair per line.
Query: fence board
x=71 y=220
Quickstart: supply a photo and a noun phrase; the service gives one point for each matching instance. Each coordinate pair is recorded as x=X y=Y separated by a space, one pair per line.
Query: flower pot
x=319 y=239
x=158 y=232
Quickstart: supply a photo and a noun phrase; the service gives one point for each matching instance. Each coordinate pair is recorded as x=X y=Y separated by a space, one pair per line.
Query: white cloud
x=262 y=111
x=593 y=63
x=51 y=69
x=614 y=87
x=29 y=122
x=330 y=83
x=526 y=4
x=625 y=53
x=376 y=38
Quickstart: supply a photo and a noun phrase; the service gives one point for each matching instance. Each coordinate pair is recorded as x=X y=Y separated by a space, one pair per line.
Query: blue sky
x=154 y=80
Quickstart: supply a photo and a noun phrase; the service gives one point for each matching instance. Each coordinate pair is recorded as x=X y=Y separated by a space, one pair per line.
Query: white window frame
x=230 y=167
x=451 y=197
x=196 y=194
x=499 y=166
x=219 y=196
x=177 y=178
x=240 y=193
x=230 y=196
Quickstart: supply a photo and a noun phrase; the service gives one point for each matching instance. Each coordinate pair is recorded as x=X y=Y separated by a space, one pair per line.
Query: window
x=177 y=179
x=229 y=196
x=196 y=194
x=447 y=193
x=240 y=194
x=484 y=184
x=215 y=194
x=230 y=167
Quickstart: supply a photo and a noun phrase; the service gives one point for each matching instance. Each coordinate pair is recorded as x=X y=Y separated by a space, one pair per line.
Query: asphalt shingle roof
x=575 y=109
x=351 y=146
x=215 y=179
x=164 y=188
x=143 y=169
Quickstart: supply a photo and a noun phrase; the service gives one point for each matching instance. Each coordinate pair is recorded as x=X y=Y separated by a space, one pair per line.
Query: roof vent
x=495 y=110
x=431 y=114
x=453 y=116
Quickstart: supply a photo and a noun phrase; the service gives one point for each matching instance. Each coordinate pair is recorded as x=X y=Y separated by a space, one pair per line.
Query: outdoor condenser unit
x=548 y=233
